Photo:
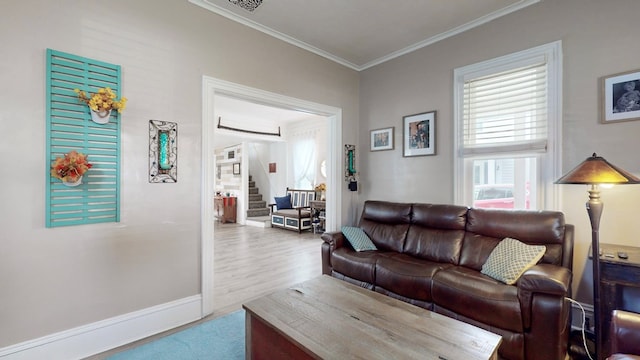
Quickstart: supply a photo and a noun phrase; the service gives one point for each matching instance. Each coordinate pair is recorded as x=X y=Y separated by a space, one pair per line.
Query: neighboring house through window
x=507 y=130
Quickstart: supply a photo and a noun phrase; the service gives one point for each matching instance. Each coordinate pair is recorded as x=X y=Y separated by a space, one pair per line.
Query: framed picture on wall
x=620 y=97
x=419 y=134
x=382 y=139
x=236 y=169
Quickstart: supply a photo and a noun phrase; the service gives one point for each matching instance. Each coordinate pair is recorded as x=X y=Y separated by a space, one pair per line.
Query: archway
x=211 y=87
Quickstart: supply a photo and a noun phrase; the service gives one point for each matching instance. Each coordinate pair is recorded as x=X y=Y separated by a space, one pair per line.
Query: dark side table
x=318 y=214
x=619 y=287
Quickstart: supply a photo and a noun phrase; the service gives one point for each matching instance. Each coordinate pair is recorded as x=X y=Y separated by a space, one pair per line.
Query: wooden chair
x=298 y=217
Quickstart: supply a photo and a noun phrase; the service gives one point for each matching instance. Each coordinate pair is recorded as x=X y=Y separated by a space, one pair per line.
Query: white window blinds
x=505 y=112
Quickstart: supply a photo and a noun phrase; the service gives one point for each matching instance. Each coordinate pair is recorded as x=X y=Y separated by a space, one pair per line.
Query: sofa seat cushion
x=471 y=294
x=293 y=213
x=357 y=265
x=423 y=304
x=407 y=276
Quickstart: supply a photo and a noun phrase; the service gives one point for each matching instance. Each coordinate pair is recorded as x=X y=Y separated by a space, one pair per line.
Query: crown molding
x=278 y=35
x=303 y=45
x=447 y=34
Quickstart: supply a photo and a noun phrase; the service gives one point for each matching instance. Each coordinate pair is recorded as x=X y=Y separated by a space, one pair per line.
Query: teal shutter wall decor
x=69 y=127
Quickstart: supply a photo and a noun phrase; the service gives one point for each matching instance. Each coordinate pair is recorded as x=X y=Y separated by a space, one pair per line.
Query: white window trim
x=550 y=164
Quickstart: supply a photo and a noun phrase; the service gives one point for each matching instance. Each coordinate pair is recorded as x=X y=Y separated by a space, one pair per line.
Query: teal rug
x=221 y=338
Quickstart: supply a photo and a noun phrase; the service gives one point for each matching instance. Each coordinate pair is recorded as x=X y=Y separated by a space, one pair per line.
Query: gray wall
x=56 y=279
x=598 y=38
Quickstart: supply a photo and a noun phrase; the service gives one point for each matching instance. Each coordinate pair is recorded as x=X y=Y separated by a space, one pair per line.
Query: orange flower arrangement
x=70 y=167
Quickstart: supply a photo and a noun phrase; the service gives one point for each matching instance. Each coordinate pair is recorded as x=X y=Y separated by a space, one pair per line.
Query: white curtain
x=304 y=160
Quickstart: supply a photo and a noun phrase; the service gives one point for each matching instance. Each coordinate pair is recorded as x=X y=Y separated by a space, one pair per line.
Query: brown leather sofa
x=625 y=336
x=431 y=256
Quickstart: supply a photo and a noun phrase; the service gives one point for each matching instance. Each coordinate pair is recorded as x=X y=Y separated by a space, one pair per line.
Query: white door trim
x=211 y=87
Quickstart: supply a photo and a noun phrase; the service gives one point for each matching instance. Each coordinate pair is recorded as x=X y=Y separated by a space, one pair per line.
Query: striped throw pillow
x=358 y=238
x=510 y=259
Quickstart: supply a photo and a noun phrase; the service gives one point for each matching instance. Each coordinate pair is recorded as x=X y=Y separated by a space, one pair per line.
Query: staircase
x=257 y=211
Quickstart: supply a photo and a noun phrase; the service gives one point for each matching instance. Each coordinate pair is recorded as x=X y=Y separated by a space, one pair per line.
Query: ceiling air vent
x=249 y=5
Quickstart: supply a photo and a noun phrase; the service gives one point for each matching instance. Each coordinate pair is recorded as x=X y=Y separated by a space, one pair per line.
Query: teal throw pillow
x=510 y=259
x=358 y=238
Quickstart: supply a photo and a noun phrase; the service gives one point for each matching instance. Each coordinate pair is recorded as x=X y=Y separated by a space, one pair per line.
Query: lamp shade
x=597 y=170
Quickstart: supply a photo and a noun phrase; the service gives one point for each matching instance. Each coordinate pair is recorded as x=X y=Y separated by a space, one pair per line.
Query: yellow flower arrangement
x=320 y=190
x=70 y=167
x=103 y=100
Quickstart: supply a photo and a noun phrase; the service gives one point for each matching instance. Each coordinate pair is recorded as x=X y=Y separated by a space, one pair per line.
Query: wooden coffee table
x=326 y=318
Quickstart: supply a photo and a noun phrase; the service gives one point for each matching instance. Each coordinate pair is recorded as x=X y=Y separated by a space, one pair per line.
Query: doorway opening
x=212 y=87
x=259 y=137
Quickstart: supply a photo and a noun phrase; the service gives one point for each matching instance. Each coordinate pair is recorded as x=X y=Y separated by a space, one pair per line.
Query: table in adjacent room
x=225 y=207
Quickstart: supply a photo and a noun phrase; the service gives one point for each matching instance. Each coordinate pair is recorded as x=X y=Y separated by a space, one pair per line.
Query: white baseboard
x=91 y=339
x=258 y=223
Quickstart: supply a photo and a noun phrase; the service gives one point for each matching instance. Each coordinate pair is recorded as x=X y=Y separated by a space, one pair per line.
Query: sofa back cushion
x=436 y=232
x=487 y=227
x=386 y=223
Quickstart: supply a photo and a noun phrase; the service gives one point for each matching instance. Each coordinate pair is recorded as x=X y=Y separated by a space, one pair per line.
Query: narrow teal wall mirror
x=349 y=162
x=163 y=151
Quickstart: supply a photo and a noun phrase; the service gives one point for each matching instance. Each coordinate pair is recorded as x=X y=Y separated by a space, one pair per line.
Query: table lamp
x=595 y=171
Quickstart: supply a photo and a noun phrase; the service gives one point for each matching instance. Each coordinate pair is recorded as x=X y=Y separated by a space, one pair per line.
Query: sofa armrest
x=550 y=282
x=300 y=208
x=335 y=239
x=546 y=278
x=332 y=241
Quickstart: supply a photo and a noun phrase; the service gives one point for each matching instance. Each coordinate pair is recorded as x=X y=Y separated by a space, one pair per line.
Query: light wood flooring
x=250 y=262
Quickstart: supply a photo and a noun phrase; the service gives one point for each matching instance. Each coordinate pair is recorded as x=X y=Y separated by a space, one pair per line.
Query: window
x=304 y=158
x=507 y=130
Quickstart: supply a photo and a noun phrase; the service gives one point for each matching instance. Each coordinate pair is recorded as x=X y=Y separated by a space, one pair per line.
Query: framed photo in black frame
x=419 y=134
x=620 y=97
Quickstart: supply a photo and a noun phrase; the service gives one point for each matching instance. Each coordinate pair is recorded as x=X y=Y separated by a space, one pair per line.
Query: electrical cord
x=584 y=320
